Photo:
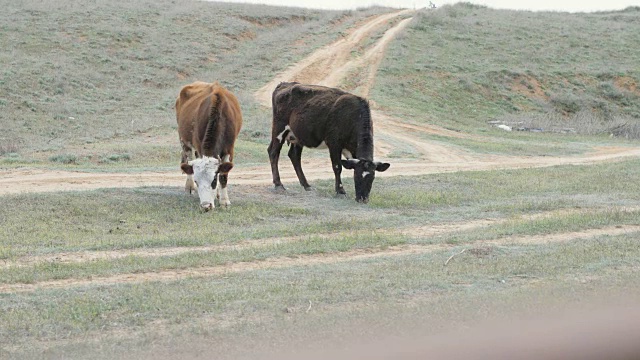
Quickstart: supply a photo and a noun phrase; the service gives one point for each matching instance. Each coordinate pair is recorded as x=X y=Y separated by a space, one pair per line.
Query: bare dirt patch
x=529 y=86
x=627 y=83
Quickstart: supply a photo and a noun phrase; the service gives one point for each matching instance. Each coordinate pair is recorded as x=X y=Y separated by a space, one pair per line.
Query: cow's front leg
x=337 y=170
x=295 y=154
x=187 y=155
x=190 y=185
x=222 y=190
x=278 y=134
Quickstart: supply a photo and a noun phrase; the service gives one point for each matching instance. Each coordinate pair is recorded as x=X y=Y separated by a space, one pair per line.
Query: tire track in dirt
x=86 y=256
x=311 y=260
x=328 y=65
x=423 y=231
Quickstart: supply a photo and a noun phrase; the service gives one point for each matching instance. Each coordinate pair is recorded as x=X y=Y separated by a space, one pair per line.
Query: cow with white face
x=209 y=120
x=208 y=174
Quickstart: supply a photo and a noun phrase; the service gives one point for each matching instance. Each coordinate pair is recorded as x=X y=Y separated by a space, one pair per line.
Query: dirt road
x=327 y=66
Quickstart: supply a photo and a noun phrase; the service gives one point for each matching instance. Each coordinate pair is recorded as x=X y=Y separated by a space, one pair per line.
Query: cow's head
x=364 y=171
x=205 y=172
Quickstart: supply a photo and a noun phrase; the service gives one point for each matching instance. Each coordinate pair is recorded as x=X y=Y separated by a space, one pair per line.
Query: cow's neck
x=364 y=129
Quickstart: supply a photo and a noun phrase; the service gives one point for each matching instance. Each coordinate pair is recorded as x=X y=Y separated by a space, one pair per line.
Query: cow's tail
x=365 y=131
x=209 y=142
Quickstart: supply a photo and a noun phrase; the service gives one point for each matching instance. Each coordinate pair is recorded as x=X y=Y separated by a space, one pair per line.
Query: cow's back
x=188 y=106
x=194 y=107
x=306 y=109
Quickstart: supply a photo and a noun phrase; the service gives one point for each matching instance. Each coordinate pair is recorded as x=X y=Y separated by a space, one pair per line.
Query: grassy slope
x=87 y=82
x=81 y=72
x=461 y=66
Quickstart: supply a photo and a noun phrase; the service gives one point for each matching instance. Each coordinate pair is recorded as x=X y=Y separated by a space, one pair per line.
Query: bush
x=566 y=103
x=115 y=158
x=585 y=122
x=64 y=159
x=8 y=147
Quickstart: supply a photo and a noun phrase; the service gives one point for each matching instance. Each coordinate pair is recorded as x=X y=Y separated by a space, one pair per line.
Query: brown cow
x=209 y=120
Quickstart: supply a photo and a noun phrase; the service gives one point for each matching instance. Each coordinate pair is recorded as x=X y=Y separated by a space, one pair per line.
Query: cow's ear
x=382 y=166
x=225 y=167
x=349 y=164
x=188 y=169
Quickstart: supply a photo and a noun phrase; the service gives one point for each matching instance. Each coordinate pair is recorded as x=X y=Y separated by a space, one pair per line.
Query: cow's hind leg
x=278 y=134
x=187 y=154
x=335 y=155
x=295 y=154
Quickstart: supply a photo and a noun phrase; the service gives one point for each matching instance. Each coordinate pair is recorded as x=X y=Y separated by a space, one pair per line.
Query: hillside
x=464 y=65
x=104 y=73
x=79 y=72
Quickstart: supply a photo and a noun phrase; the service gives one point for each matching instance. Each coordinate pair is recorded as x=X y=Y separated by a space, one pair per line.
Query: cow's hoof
x=279 y=189
x=225 y=203
x=308 y=188
x=341 y=196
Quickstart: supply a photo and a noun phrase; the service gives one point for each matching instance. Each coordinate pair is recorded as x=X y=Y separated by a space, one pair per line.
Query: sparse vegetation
x=81 y=72
x=8 y=147
x=583 y=122
x=115 y=158
x=135 y=272
x=521 y=203
x=64 y=159
x=462 y=65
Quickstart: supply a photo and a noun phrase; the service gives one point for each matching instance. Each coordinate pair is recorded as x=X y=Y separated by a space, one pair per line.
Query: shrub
x=8 y=147
x=115 y=158
x=566 y=103
x=585 y=122
x=64 y=159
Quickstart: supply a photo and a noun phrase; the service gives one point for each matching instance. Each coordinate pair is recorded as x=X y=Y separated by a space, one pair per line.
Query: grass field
x=252 y=268
x=83 y=75
x=142 y=273
x=465 y=65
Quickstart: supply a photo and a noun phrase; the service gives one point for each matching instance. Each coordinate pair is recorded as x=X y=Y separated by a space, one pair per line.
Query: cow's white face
x=205 y=174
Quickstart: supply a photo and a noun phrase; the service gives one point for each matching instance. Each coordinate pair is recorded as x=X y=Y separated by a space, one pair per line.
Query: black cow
x=315 y=116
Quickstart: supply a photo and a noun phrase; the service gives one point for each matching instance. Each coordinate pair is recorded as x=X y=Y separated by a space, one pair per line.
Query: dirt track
x=274 y=263
x=327 y=66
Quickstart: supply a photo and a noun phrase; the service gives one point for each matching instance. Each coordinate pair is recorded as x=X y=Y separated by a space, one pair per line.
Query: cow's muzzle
x=206 y=206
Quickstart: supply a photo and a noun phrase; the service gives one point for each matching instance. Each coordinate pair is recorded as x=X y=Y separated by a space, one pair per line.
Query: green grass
x=461 y=66
x=166 y=217
x=77 y=74
x=513 y=191
x=248 y=303
x=87 y=90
